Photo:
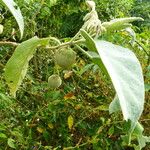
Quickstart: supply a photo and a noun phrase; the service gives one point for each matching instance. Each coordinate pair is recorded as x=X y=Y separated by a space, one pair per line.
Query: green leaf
x=111 y=130
x=89 y=41
x=86 y=68
x=138 y=132
x=5 y=102
x=126 y=139
x=138 y=129
x=18 y=135
x=2 y=135
x=126 y=74
x=16 y=67
x=53 y=2
x=114 y=105
x=147 y=87
x=143 y=140
x=119 y=23
x=11 y=143
x=2 y=127
x=15 y=10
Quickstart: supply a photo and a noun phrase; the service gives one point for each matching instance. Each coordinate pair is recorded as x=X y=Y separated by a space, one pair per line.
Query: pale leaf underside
x=126 y=74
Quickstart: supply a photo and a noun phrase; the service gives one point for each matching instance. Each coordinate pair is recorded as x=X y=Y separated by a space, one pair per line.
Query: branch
x=65 y=44
x=9 y=43
x=48 y=48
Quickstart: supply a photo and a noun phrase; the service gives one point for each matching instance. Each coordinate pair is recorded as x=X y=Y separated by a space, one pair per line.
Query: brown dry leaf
x=69 y=96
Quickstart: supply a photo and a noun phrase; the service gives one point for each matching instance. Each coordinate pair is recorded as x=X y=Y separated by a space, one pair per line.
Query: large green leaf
x=17 y=65
x=120 y=23
x=14 y=9
x=126 y=74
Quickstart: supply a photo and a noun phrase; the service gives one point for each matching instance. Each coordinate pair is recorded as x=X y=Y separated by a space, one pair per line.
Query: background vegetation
x=75 y=116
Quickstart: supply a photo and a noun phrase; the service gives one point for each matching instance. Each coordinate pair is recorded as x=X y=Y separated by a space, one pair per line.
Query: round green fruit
x=65 y=57
x=54 y=81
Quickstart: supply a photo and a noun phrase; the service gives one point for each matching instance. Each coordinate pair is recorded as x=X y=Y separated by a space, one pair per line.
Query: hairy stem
x=9 y=43
x=65 y=44
x=82 y=50
x=48 y=48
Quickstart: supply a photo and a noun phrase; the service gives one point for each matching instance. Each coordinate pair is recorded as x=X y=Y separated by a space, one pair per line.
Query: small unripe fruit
x=65 y=57
x=54 y=81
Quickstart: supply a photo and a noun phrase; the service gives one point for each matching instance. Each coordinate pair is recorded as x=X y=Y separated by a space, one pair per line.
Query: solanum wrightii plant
x=119 y=63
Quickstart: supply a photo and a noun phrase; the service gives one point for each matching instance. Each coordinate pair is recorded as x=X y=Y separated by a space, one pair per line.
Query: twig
x=48 y=48
x=142 y=48
x=65 y=44
x=77 y=146
x=77 y=35
x=144 y=120
x=9 y=43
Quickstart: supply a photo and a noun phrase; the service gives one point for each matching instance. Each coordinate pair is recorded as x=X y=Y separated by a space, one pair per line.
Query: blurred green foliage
x=63 y=18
